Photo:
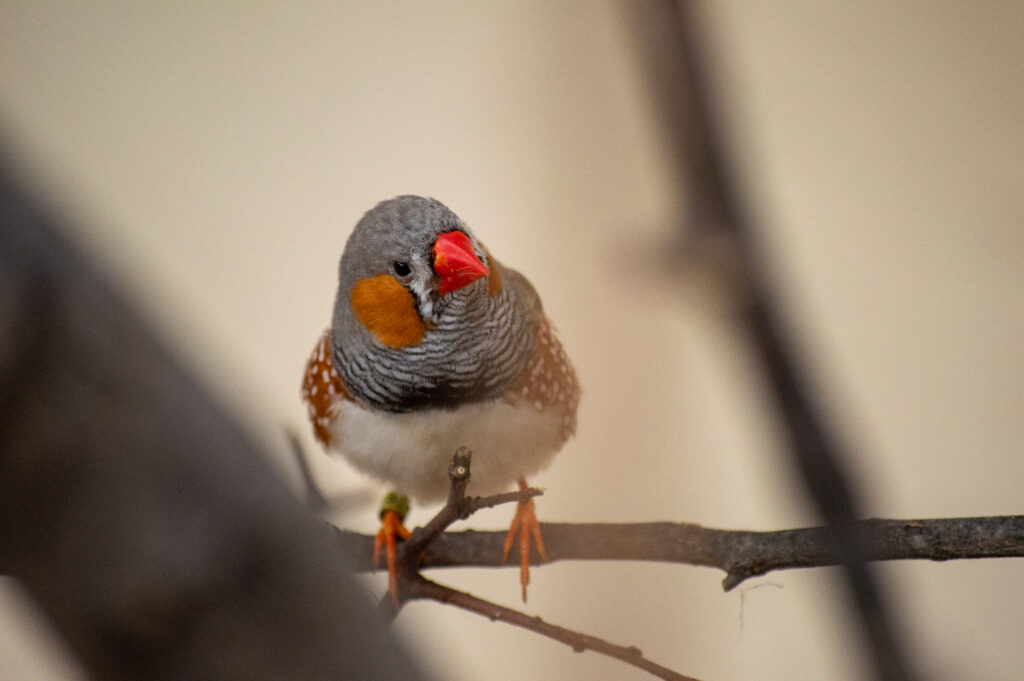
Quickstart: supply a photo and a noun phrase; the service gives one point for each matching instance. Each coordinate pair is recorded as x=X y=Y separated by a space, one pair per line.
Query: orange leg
x=525 y=525
x=392 y=513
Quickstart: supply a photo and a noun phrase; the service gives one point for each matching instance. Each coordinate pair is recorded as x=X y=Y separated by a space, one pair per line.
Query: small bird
x=434 y=345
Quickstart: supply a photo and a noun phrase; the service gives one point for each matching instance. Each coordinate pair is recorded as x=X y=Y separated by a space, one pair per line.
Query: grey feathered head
x=397 y=237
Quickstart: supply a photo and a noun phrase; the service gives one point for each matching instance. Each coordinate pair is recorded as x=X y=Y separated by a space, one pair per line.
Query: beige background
x=216 y=155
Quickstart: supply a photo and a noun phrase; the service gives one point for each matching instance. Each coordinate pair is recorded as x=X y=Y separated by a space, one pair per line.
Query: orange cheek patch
x=388 y=310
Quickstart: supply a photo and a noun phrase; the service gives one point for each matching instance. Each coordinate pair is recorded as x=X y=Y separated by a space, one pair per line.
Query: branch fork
x=457 y=507
x=412 y=585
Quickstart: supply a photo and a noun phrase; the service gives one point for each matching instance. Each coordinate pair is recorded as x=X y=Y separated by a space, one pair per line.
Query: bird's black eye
x=402 y=269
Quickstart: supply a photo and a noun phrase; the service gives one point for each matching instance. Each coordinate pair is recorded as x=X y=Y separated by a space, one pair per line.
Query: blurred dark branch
x=153 y=533
x=741 y=554
x=669 y=36
x=817 y=455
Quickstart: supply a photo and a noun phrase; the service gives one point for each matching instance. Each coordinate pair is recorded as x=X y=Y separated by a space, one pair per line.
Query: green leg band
x=393 y=501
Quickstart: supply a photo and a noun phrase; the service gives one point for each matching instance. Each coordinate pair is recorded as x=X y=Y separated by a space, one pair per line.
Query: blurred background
x=214 y=157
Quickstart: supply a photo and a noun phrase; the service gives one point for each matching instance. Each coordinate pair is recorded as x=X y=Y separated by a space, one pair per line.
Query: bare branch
x=423 y=588
x=740 y=554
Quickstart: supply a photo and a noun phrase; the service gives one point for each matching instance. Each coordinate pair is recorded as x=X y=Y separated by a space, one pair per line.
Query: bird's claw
x=390 y=526
x=525 y=526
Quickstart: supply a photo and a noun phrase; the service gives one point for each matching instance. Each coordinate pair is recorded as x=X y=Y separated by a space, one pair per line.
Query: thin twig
x=424 y=588
x=471 y=505
x=315 y=498
x=740 y=554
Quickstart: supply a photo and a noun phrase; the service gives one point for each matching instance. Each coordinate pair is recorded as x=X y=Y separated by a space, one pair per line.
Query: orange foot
x=526 y=526
x=392 y=513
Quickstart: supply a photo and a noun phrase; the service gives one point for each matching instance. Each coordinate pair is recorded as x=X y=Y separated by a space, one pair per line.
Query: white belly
x=411 y=451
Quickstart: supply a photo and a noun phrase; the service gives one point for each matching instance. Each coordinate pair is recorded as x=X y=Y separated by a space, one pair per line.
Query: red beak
x=455 y=262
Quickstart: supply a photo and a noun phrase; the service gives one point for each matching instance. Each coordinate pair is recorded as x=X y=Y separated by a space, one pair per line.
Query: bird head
x=407 y=259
